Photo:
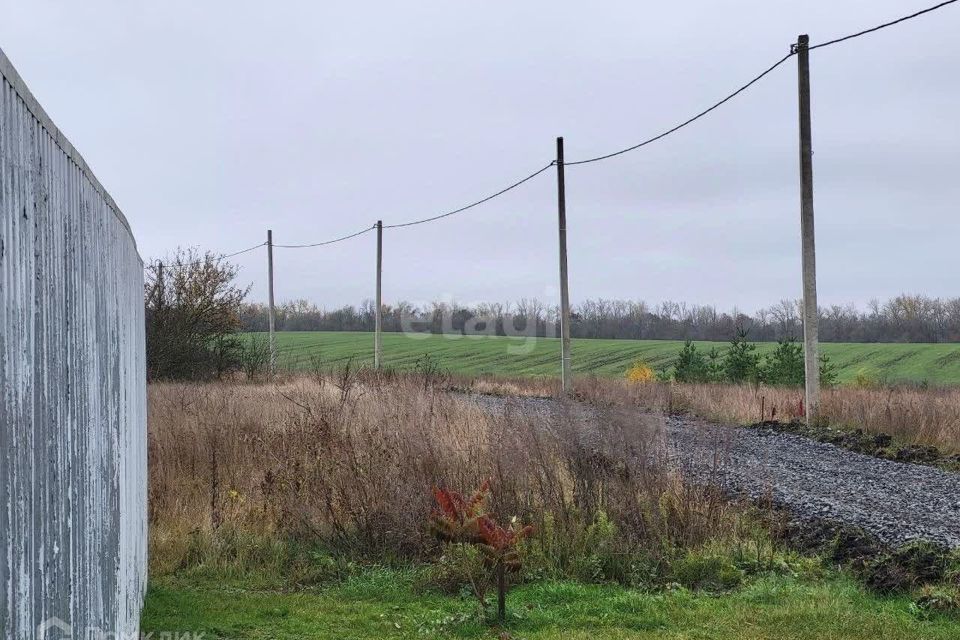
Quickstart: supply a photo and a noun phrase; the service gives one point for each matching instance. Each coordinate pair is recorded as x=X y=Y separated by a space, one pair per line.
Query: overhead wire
x=690 y=121
x=326 y=242
x=756 y=80
x=882 y=26
x=473 y=204
x=179 y=265
x=606 y=156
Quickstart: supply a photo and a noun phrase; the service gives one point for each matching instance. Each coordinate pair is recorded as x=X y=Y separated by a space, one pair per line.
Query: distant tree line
x=905 y=318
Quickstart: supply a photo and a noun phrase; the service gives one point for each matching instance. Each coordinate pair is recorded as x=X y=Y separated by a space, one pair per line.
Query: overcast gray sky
x=211 y=121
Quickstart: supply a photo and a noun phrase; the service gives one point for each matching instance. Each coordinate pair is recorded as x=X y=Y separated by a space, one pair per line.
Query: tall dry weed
x=912 y=415
x=348 y=463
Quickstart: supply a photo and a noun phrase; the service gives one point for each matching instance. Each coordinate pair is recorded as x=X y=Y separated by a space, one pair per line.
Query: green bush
x=706 y=571
x=939 y=599
x=459 y=569
x=952 y=573
x=255 y=356
x=232 y=553
x=595 y=551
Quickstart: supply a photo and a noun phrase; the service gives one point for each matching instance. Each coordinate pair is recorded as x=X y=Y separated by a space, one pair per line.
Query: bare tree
x=192 y=316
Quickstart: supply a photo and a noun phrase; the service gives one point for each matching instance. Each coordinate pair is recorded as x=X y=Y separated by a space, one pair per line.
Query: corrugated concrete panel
x=72 y=388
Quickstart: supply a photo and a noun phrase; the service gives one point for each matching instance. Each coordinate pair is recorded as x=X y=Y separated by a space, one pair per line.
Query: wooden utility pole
x=273 y=342
x=809 y=257
x=565 y=376
x=159 y=286
x=377 y=336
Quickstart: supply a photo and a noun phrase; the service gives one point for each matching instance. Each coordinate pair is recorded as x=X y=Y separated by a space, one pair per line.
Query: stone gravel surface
x=894 y=501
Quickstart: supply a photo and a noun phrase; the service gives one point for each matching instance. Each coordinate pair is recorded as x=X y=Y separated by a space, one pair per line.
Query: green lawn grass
x=382 y=604
x=937 y=364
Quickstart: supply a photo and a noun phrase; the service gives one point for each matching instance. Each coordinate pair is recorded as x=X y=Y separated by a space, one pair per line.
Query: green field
x=937 y=364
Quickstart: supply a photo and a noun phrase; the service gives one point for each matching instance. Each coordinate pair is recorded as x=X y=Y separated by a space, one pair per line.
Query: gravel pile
x=894 y=501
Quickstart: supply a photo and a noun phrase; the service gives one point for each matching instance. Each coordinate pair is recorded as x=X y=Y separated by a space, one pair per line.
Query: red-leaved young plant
x=467 y=521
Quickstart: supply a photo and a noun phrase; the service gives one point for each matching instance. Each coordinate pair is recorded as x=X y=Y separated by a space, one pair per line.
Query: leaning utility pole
x=273 y=343
x=565 y=376
x=809 y=257
x=377 y=337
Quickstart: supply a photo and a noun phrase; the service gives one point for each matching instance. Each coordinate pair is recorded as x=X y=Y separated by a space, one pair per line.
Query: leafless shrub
x=192 y=316
x=255 y=356
x=317 y=369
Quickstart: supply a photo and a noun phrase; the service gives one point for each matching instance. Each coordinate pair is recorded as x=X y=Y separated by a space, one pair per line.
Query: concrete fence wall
x=72 y=388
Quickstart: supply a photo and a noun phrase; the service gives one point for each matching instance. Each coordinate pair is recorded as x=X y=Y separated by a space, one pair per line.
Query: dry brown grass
x=263 y=477
x=349 y=464
x=524 y=387
x=913 y=416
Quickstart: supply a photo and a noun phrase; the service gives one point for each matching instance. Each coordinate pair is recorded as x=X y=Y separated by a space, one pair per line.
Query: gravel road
x=894 y=501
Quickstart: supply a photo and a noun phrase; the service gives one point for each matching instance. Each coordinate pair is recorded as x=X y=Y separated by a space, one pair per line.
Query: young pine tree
x=784 y=367
x=691 y=365
x=742 y=362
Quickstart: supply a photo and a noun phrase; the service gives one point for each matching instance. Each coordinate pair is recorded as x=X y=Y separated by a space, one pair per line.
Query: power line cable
x=882 y=26
x=474 y=204
x=390 y=226
x=326 y=242
x=607 y=156
x=237 y=253
x=757 y=79
x=204 y=261
x=691 y=120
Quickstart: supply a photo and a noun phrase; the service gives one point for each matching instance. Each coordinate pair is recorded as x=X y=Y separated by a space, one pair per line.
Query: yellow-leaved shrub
x=641 y=372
